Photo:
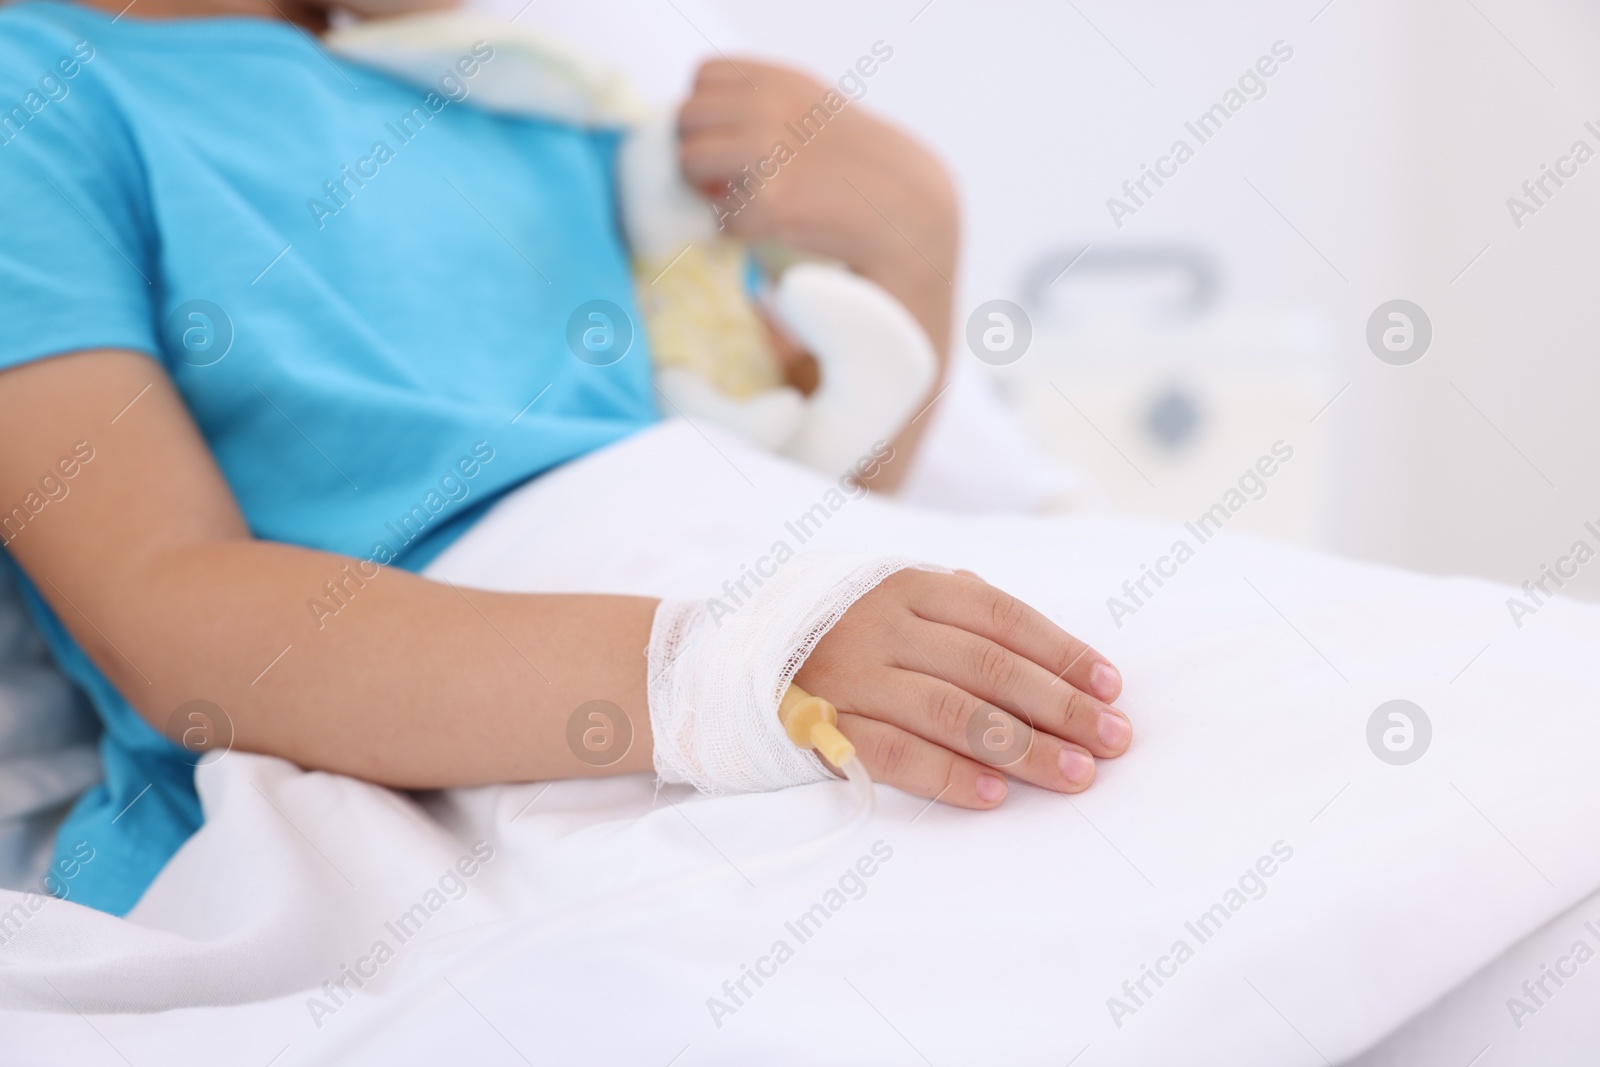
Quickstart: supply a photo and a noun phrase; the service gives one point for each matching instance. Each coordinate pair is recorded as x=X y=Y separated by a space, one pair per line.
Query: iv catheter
x=813 y=723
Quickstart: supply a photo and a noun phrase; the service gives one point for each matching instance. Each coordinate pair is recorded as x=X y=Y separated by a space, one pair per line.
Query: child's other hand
x=848 y=185
x=942 y=680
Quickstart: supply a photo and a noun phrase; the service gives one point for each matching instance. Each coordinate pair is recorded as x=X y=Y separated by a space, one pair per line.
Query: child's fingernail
x=1076 y=767
x=1114 y=730
x=990 y=788
x=1105 y=681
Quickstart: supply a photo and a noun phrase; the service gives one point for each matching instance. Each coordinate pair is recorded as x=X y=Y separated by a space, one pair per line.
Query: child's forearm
x=340 y=665
x=929 y=299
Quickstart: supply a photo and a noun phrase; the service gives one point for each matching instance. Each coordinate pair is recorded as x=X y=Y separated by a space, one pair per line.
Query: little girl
x=266 y=392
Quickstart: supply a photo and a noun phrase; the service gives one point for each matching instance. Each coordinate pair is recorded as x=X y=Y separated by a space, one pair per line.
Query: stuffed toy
x=705 y=297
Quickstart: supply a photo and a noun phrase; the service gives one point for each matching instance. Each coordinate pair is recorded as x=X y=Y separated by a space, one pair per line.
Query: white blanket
x=1006 y=937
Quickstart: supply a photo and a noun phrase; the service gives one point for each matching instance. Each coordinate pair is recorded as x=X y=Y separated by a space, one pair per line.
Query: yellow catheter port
x=812 y=722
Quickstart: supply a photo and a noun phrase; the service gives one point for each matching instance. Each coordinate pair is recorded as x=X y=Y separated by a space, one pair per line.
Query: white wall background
x=1376 y=167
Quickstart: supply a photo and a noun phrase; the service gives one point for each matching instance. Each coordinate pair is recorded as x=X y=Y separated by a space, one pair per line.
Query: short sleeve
x=77 y=250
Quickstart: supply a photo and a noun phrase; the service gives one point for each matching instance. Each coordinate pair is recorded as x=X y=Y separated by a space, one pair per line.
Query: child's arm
x=144 y=556
x=859 y=190
x=148 y=562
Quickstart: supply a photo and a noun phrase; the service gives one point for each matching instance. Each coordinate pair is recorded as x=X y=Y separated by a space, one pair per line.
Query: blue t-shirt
x=363 y=289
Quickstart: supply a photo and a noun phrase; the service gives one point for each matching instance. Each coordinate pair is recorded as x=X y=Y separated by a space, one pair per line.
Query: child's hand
x=846 y=185
x=936 y=675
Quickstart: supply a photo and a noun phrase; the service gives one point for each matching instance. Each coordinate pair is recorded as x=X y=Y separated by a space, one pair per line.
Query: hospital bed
x=1323 y=897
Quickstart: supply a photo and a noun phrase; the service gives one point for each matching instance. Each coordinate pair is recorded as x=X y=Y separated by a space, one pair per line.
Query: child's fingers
x=993 y=673
x=951 y=717
x=712 y=111
x=713 y=157
x=894 y=757
x=729 y=72
x=973 y=605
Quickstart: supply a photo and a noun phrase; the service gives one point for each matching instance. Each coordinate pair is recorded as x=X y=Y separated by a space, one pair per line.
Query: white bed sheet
x=994 y=937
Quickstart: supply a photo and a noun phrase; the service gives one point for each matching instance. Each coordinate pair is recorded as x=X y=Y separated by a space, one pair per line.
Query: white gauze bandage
x=719 y=667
